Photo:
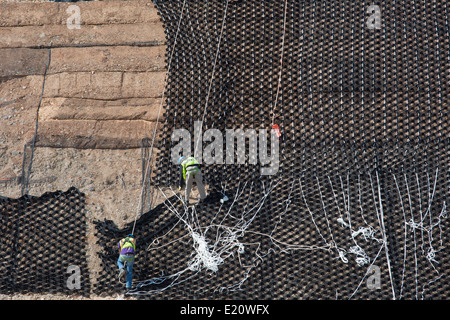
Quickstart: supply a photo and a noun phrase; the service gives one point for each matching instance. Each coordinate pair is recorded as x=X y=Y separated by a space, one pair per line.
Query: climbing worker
x=190 y=170
x=127 y=251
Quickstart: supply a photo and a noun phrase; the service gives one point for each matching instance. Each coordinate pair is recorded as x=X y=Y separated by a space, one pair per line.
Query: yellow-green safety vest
x=127 y=246
x=190 y=165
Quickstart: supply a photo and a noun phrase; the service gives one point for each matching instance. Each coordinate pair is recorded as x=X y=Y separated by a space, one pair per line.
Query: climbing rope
x=281 y=63
x=213 y=72
x=157 y=119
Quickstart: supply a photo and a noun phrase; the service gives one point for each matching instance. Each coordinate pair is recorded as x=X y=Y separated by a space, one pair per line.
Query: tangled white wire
x=362 y=257
x=204 y=257
x=367 y=233
x=222 y=238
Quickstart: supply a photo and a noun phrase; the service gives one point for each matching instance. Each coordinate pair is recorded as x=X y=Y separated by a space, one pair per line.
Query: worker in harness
x=127 y=251
x=190 y=170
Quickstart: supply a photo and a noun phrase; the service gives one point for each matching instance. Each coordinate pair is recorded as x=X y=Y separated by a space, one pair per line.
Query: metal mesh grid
x=364 y=114
x=40 y=239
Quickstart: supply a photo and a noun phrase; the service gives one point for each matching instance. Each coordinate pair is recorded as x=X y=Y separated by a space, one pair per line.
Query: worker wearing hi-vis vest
x=190 y=170
x=127 y=251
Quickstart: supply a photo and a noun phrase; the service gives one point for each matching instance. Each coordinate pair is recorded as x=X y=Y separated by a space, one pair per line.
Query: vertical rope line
x=384 y=236
x=281 y=62
x=213 y=72
x=157 y=119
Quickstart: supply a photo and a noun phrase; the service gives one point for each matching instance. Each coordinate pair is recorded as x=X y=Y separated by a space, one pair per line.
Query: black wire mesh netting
x=358 y=206
x=43 y=244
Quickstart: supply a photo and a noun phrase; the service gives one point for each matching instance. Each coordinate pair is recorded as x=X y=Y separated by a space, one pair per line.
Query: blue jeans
x=121 y=262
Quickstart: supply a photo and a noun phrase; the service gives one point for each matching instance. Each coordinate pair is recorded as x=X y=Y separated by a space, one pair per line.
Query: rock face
x=96 y=92
x=104 y=66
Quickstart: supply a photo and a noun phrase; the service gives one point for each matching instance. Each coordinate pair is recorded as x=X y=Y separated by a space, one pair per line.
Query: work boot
x=121 y=272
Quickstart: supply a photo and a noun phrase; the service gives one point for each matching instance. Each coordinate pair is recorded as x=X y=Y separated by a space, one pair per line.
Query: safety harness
x=127 y=243
x=190 y=165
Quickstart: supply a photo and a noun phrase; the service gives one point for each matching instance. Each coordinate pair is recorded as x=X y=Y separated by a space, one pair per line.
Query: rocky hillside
x=89 y=76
